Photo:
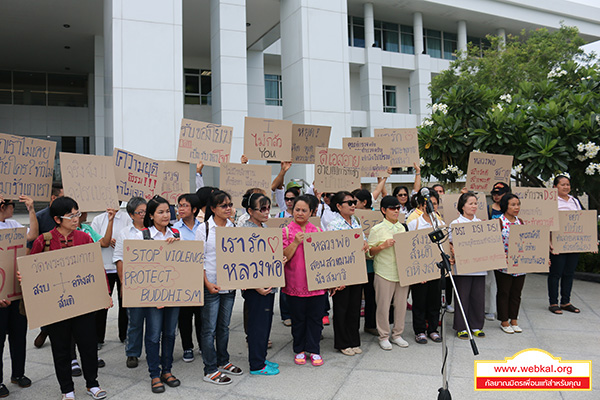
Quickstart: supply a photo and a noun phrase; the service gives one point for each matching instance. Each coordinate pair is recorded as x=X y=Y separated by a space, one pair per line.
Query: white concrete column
x=419 y=81
x=229 y=72
x=462 y=36
x=256 y=84
x=315 y=71
x=98 y=90
x=369 y=25
x=418 y=32
x=502 y=33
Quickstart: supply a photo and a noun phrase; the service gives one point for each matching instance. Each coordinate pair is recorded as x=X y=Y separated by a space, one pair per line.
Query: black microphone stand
x=437 y=236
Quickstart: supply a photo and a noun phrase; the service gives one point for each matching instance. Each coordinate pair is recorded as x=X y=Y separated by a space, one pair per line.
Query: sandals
x=217 y=378
x=300 y=359
x=157 y=386
x=571 y=308
x=231 y=369
x=316 y=360
x=170 y=380
x=555 y=309
x=96 y=393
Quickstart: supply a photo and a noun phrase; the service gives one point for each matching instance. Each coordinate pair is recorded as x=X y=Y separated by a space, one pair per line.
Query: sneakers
x=326 y=320
x=218 y=378
x=267 y=370
x=132 y=362
x=421 y=338
x=385 y=344
x=3 y=390
x=316 y=360
x=22 y=381
x=516 y=328
x=507 y=329
x=188 y=355
x=400 y=342
x=231 y=369
x=300 y=359
x=463 y=335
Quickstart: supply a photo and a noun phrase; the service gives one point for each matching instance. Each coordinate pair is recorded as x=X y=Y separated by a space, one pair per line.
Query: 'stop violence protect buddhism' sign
x=486 y=169
x=306 y=139
x=539 y=206
x=26 y=167
x=405 y=146
x=267 y=139
x=204 y=141
x=375 y=155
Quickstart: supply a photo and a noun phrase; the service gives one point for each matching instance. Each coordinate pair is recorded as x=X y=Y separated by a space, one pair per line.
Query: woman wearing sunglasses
x=387 y=281
x=346 y=302
x=258 y=304
x=218 y=304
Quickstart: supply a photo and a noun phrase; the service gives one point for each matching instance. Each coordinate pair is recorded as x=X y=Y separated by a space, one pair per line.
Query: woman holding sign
x=161 y=322
x=470 y=287
x=306 y=306
x=346 y=302
x=562 y=266
x=510 y=286
x=258 y=305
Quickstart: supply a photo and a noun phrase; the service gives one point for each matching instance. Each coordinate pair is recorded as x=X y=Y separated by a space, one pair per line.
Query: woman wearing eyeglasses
x=346 y=301
x=387 y=281
x=218 y=304
x=403 y=194
x=258 y=304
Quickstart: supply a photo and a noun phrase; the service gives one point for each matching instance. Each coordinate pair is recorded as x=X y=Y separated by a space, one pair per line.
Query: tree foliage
x=536 y=97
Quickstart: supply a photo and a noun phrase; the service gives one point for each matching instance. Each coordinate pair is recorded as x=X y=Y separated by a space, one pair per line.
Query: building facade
x=99 y=74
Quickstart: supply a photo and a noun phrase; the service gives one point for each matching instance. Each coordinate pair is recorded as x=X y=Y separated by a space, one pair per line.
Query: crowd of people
x=382 y=300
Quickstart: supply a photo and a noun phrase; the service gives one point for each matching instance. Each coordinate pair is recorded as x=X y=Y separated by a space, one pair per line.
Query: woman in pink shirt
x=306 y=307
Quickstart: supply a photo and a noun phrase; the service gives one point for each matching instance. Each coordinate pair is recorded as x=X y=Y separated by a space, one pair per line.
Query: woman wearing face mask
x=470 y=287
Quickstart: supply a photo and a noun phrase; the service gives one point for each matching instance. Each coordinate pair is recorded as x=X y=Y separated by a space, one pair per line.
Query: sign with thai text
x=528 y=249
x=267 y=139
x=334 y=258
x=204 y=141
x=90 y=180
x=237 y=178
x=174 y=180
x=337 y=170
x=370 y=218
x=156 y=273
x=249 y=258
x=578 y=232
x=539 y=206
x=478 y=246
x=26 y=167
x=416 y=257
x=486 y=169
x=375 y=155
x=62 y=284
x=12 y=245
x=306 y=139
x=405 y=145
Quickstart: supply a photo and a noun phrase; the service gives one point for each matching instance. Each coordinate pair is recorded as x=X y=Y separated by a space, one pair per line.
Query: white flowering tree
x=536 y=97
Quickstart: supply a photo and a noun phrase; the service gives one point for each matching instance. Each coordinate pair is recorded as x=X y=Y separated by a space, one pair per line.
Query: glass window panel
x=191 y=99
x=449 y=49
x=5 y=87
x=192 y=84
x=191 y=71
x=389 y=99
x=406 y=29
x=450 y=36
x=29 y=88
x=66 y=90
x=408 y=45
x=390 y=40
x=359 y=36
x=433 y=33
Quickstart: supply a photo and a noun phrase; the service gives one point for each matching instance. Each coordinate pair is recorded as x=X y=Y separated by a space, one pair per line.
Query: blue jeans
x=160 y=337
x=216 y=316
x=135 y=331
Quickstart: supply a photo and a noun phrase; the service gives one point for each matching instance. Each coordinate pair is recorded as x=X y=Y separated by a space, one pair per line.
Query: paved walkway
x=411 y=373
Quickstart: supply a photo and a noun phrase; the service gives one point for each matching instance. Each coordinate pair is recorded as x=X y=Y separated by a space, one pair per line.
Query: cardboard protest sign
x=174 y=180
x=539 y=206
x=448 y=202
x=370 y=218
x=485 y=170
x=267 y=139
x=90 y=180
x=334 y=258
x=249 y=258
x=159 y=274
x=478 y=246
x=577 y=233
x=63 y=284
x=237 y=178
x=283 y=222
x=528 y=249
x=26 y=167
x=375 y=154
x=306 y=139
x=12 y=245
x=336 y=170
x=416 y=257
x=405 y=145
x=204 y=141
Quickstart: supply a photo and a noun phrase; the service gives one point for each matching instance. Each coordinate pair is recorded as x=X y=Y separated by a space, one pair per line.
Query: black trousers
x=83 y=330
x=101 y=315
x=186 y=314
x=260 y=319
x=370 y=304
x=426 y=306
x=346 y=317
x=508 y=297
x=471 y=290
x=307 y=322
x=13 y=324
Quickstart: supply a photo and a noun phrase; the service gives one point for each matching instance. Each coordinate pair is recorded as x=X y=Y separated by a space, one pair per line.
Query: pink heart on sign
x=356 y=235
x=127 y=248
x=160 y=248
x=273 y=243
x=309 y=240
